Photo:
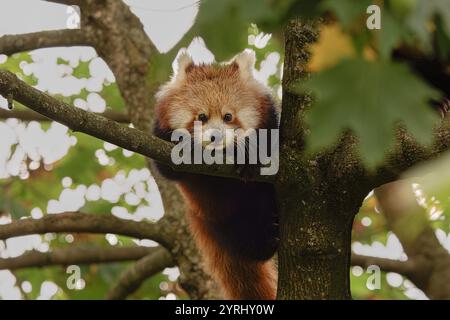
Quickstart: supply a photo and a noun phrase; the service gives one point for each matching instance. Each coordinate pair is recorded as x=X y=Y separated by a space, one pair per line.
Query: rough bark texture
x=88 y=223
x=317 y=197
x=10 y=44
x=30 y=115
x=316 y=200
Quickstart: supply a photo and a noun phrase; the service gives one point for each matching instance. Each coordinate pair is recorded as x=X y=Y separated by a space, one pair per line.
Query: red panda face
x=222 y=98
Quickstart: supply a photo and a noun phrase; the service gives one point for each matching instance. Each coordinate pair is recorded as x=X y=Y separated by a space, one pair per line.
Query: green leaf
x=8 y=204
x=442 y=41
x=82 y=70
x=113 y=98
x=425 y=11
x=401 y=8
x=390 y=34
x=370 y=99
x=13 y=64
x=81 y=164
x=60 y=60
x=222 y=25
x=347 y=11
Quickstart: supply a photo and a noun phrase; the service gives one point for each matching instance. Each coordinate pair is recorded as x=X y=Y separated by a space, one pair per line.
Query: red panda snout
x=217 y=134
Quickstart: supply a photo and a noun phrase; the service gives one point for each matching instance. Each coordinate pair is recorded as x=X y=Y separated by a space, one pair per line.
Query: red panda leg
x=239 y=278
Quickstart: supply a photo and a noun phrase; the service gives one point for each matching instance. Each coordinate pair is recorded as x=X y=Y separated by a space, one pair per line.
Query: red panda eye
x=227 y=117
x=202 y=117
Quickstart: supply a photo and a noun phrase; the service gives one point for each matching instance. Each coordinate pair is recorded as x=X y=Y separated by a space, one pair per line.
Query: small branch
x=405 y=268
x=70 y=256
x=133 y=277
x=83 y=222
x=10 y=44
x=100 y=127
x=29 y=115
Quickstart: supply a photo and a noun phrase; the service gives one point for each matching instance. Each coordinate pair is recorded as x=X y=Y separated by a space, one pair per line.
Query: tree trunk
x=317 y=197
x=314 y=254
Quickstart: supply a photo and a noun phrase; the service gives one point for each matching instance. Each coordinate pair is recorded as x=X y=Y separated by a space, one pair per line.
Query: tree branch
x=10 y=44
x=100 y=127
x=29 y=115
x=411 y=225
x=409 y=153
x=405 y=268
x=80 y=255
x=88 y=223
x=133 y=277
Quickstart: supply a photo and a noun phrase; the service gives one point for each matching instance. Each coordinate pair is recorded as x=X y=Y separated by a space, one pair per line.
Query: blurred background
x=47 y=169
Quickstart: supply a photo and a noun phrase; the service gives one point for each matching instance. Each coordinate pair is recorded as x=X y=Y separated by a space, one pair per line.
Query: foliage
x=381 y=94
x=358 y=85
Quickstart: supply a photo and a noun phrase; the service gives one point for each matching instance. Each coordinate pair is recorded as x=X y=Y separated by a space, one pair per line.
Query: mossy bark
x=316 y=196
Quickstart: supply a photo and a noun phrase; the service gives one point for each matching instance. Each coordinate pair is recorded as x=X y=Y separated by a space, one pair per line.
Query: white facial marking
x=180 y=119
x=249 y=118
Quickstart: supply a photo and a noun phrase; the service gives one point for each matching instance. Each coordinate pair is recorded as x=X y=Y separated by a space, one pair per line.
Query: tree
x=329 y=163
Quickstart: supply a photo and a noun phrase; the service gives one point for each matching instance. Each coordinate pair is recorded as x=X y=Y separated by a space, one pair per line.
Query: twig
x=80 y=255
x=133 y=277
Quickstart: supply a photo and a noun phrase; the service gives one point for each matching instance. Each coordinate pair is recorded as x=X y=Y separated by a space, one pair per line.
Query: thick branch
x=10 y=44
x=409 y=153
x=87 y=255
x=410 y=223
x=105 y=129
x=133 y=277
x=29 y=115
x=83 y=222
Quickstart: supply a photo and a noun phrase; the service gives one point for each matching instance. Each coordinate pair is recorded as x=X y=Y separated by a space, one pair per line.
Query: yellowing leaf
x=332 y=47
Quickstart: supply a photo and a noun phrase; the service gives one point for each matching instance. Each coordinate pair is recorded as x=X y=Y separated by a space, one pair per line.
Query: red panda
x=233 y=222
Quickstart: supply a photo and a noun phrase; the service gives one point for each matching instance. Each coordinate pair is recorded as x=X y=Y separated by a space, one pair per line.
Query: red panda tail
x=246 y=280
x=239 y=278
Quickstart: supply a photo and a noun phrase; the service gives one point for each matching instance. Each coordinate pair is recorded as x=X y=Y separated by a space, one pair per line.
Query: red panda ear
x=246 y=63
x=185 y=64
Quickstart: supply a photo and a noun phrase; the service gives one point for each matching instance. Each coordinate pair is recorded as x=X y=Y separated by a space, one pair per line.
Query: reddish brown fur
x=233 y=222
x=239 y=278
